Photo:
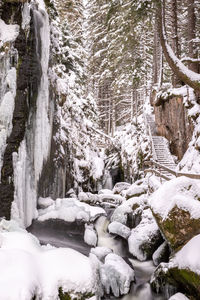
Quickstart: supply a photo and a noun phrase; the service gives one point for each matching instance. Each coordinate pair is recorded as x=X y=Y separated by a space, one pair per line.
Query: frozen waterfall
x=35 y=148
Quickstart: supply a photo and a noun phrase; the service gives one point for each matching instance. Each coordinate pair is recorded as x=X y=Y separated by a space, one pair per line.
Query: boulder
x=101 y=252
x=136 y=190
x=129 y=211
x=145 y=238
x=176 y=207
x=182 y=271
x=116 y=275
x=161 y=254
x=121 y=186
x=119 y=229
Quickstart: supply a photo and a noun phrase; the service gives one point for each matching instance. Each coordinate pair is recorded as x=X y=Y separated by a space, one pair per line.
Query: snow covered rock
x=178 y=296
x=145 y=238
x=70 y=210
x=176 y=207
x=161 y=254
x=45 y=202
x=90 y=236
x=105 y=191
x=182 y=271
x=101 y=252
x=119 y=229
x=122 y=212
x=88 y=198
x=111 y=198
x=136 y=190
x=32 y=270
x=121 y=186
x=116 y=275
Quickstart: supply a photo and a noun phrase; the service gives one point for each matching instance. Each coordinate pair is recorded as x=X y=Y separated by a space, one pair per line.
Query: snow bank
x=31 y=270
x=69 y=210
x=182 y=192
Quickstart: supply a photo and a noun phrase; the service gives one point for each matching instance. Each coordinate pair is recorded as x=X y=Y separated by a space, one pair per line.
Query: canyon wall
x=172 y=122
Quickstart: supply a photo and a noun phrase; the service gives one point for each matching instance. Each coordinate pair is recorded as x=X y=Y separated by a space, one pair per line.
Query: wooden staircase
x=160 y=148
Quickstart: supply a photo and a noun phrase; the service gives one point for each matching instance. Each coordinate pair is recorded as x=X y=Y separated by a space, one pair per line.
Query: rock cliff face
x=173 y=123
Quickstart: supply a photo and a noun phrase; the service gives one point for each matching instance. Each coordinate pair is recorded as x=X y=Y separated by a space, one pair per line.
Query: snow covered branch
x=187 y=76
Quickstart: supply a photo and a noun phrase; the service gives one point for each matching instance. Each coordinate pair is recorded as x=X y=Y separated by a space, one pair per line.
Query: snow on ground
x=69 y=210
x=182 y=192
x=29 y=269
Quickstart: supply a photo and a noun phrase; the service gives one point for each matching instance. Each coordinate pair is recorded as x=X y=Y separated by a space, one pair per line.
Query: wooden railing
x=161 y=167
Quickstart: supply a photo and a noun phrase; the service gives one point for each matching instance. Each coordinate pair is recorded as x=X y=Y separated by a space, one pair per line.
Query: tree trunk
x=175 y=44
x=192 y=50
x=187 y=76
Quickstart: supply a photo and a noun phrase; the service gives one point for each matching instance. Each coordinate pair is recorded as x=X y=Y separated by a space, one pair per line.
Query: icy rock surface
x=144 y=238
x=116 y=275
x=101 y=252
x=178 y=296
x=119 y=229
x=90 y=236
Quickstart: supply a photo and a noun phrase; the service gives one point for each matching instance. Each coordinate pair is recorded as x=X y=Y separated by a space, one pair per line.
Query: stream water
x=62 y=234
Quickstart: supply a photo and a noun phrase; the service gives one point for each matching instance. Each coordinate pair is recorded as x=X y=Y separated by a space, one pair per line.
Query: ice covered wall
x=47 y=139
x=26 y=108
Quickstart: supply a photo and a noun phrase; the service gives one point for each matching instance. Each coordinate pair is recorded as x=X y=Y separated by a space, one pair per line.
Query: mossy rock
x=182 y=280
x=67 y=296
x=178 y=228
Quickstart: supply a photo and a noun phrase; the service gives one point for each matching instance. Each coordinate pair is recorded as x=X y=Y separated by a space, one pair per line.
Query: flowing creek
x=62 y=234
